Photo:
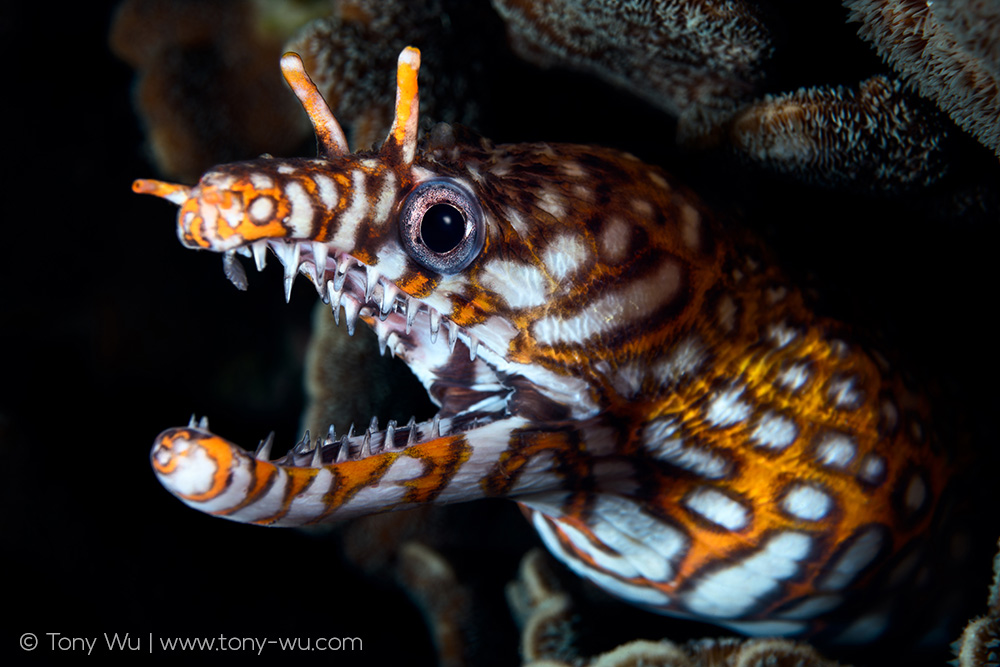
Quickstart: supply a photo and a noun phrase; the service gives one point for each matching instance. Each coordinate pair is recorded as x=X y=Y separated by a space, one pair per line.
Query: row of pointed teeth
x=349 y=447
x=385 y=299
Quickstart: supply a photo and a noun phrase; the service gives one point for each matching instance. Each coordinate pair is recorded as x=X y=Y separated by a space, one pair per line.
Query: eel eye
x=441 y=225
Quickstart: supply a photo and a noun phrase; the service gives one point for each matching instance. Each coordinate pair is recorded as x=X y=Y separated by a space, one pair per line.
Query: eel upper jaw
x=405 y=327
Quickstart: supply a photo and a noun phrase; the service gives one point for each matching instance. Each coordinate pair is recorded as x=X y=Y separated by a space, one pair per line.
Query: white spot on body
x=890 y=416
x=718 y=508
x=683 y=360
x=327 y=191
x=853 y=560
x=628 y=379
x=726 y=311
x=836 y=450
x=781 y=335
x=636 y=594
x=661 y=440
x=286 y=169
x=872 y=469
x=659 y=180
x=634 y=302
x=690 y=226
x=573 y=169
x=644 y=542
x=916 y=493
x=812 y=607
x=473 y=169
x=386 y=199
x=652 y=544
x=842 y=392
x=301 y=217
x=517 y=223
x=261 y=181
x=614 y=240
x=552 y=203
x=520 y=285
x=774 y=431
x=725 y=409
x=775 y=295
x=807 y=503
x=736 y=590
x=261 y=209
x=794 y=377
x=642 y=207
x=583 y=193
x=564 y=255
x=350 y=220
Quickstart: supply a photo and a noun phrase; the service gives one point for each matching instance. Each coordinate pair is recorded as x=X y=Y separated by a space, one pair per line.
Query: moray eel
x=679 y=427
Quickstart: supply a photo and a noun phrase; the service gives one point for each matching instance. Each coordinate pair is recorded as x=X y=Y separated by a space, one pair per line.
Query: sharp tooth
x=317 y=459
x=435 y=320
x=366 y=445
x=452 y=336
x=319 y=261
x=260 y=254
x=302 y=446
x=203 y=423
x=411 y=437
x=389 y=292
x=435 y=427
x=234 y=270
x=263 y=452
x=192 y=423
x=383 y=339
x=390 y=435
x=334 y=297
x=331 y=435
x=411 y=313
x=291 y=268
x=371 y=278
x=345 y=446
x=392 y=342
x=473 y=348
x=351 y=310
x=342 y=267
x=244 y=250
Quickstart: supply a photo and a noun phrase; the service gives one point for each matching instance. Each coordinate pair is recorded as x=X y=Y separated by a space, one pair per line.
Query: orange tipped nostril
x=172 y=192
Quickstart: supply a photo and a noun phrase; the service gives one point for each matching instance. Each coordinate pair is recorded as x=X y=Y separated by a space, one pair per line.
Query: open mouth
x=459 y=372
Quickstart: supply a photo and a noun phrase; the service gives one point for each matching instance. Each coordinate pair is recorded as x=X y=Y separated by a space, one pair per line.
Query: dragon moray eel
x=678 y=426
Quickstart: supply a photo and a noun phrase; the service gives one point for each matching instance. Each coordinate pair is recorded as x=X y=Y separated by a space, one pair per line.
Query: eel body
x=677 y=424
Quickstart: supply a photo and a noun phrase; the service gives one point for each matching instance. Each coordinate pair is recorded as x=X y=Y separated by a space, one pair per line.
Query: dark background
x=111 y=332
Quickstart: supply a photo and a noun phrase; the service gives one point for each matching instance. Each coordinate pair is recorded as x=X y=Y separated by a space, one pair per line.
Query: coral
x=695 y=59
x=948 y=50
x=979 y=645
x=878 y=137
x=431 y=581
x=350 y=52
x=206 y=88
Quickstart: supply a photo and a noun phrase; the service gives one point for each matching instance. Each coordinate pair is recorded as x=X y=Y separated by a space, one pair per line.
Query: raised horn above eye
x=441 y=226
